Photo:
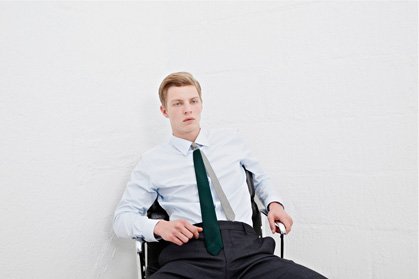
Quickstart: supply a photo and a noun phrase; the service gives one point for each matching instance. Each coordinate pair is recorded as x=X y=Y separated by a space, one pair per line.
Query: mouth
x=188 y=119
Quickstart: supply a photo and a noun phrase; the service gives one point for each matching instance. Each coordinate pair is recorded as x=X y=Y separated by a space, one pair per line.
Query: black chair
x=148 y=252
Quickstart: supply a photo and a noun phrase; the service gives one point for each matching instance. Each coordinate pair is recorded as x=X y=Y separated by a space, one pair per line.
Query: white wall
x=325 y=92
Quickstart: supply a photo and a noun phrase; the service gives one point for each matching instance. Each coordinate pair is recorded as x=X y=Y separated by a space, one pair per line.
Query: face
x=183 y=108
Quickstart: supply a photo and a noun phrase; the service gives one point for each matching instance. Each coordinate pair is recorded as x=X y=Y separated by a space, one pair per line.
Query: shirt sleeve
x=130 y=218
x=262 y=182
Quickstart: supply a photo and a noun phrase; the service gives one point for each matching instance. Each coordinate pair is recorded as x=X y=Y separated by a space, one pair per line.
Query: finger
x=186 y=231
x=175 y=240
x=272 y=223
x=288 y=224
x=196 y=232
x=181 y=230
x=182 y=237
x=193 y=229
x=199 y=230
x=288 y=228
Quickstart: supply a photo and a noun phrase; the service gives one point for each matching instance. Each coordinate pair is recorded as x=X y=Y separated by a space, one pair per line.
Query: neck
x=190 y=136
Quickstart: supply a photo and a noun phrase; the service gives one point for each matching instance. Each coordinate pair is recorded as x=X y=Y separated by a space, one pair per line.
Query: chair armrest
x=138 y=246
x=279 y=225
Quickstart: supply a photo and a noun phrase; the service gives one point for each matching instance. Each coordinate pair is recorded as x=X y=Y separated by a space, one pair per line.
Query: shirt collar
x=185 y=145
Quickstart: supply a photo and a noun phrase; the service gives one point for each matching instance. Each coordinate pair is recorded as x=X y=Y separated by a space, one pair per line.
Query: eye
x=194 y=101
x=176 y=104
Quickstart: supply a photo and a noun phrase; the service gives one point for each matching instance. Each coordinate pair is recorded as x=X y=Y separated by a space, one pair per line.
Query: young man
x=170 y=173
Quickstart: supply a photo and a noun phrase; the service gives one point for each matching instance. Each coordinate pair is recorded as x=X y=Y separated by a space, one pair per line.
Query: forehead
x=181 y=92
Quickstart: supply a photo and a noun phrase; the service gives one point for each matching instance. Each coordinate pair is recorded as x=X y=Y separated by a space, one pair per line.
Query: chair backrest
x=152 y=249
x=256 y=217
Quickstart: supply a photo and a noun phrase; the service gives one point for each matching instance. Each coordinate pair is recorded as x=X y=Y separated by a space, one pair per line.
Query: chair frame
x=147 y=252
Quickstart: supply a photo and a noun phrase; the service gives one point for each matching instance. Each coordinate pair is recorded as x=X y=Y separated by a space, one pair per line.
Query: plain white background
x=324 y=92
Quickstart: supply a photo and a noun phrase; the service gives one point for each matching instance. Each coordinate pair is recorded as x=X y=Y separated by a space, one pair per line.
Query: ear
x=164 y=111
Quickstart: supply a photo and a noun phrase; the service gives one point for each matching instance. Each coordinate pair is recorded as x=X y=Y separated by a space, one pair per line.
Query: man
x=225 y=246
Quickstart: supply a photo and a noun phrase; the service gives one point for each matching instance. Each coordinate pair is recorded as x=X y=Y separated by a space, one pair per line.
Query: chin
x=191 y=129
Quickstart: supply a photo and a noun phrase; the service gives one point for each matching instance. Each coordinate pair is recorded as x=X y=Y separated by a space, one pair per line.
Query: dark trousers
x=245 y=255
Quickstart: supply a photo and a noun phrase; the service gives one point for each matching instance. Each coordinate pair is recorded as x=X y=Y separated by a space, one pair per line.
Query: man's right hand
x=178 y=232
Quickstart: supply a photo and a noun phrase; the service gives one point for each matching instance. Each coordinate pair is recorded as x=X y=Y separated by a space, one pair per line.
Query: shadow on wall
x=153 y=126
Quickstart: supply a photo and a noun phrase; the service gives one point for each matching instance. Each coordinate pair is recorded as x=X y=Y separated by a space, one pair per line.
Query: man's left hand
x=277 y=214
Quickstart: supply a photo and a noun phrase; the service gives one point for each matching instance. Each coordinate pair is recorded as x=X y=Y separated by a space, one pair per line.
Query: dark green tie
x=213 y=240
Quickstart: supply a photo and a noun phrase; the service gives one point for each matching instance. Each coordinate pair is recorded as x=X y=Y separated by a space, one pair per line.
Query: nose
x=187 y=109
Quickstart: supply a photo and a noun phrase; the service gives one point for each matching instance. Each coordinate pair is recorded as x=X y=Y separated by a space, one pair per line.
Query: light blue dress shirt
x=167 y=172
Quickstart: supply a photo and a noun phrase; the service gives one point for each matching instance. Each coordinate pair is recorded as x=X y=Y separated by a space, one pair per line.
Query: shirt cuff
x=280 y=203
x=148 y=230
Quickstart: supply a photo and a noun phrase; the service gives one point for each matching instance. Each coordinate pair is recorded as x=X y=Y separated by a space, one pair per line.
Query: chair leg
x=282 y=246
x=140 y=265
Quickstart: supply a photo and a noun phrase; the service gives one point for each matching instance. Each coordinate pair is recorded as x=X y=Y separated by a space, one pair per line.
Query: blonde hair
x=177 y=79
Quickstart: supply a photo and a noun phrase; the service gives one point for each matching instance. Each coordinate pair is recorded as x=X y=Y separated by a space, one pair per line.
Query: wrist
x=275 y=203
x=157 y=228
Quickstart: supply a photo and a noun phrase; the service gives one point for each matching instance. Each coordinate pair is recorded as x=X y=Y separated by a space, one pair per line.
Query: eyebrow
x=176 y=100
x=181 y=100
